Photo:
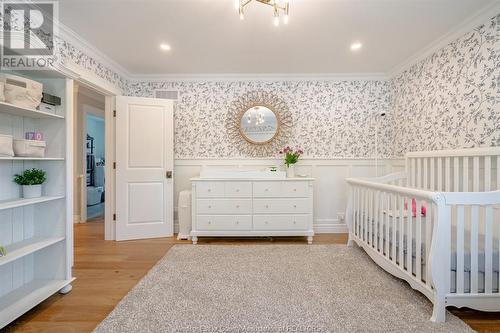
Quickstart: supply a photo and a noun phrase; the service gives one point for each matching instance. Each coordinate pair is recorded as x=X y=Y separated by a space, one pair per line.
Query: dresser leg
x=195 y=240
x=309 y=240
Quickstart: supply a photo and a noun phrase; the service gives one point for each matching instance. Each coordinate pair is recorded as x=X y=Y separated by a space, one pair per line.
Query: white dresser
x=252 y=207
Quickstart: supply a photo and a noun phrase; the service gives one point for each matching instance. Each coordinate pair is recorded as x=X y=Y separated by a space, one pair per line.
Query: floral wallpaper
x=330 y=118
x=447 y=100
x=450 y=99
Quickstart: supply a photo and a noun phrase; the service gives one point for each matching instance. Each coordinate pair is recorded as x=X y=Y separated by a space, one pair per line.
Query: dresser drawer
x=238 y=189
x=223 y=222
x=280 y=222
x=295 y=189
x=281 y=206
x=209 y=189
x=267 y=189
x=224 y=206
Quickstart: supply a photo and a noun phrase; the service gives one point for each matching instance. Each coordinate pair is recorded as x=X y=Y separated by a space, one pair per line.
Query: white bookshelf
x=37 y=233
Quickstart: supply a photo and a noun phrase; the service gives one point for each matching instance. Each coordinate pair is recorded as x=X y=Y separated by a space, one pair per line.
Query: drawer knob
x=237 y=190
x=209 y=222
x=267 y=206
x=267 y=190
x=295 y=190
x=237 y=222
x=266 y=222
x=294 y=206
x=237 y=206
x=209 y=190
x=209 y=206
x=294 y=222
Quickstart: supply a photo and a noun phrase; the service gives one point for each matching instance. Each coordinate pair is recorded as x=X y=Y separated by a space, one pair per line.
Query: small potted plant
x=291 y=157
x=3 y=251
x=31 y=181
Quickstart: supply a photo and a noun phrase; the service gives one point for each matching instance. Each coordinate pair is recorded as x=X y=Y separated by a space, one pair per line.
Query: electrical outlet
x=341 y=216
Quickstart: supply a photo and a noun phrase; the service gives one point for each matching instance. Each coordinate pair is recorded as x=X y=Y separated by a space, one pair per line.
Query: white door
x=144 y=166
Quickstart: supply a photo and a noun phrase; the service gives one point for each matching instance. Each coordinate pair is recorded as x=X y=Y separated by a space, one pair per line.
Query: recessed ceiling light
x=356 y=46
x=165 y=47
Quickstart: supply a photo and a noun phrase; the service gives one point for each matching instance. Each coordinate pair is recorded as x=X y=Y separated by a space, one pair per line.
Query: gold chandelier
x=279 y=6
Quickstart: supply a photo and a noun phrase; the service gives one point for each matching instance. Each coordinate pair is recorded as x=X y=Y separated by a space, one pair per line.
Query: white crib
x=453 y=255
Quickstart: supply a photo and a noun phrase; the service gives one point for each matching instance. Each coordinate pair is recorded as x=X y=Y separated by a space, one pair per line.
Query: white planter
x=32 y=191
x=290 y=171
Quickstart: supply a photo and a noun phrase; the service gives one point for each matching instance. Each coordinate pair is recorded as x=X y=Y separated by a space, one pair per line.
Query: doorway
x=89 y=157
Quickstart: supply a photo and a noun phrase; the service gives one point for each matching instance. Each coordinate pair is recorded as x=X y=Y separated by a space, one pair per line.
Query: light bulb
x=242 y=16
x=285 y=19
x=276 y=21
x=236 y=4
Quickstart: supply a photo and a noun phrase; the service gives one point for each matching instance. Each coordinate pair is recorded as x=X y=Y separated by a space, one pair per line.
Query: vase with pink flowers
x=291 y=157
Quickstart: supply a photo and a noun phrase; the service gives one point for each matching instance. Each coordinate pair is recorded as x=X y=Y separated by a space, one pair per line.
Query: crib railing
x=460 y=170
x=427 y=238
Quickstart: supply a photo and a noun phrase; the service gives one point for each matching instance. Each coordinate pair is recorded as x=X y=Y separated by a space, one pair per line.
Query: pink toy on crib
x=423 y=210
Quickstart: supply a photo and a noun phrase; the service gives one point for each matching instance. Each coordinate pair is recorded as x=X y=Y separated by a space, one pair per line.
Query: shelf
x=14 y=158
x=8 y=204
x=22 y=299
x=21 y=249
x=25 y=112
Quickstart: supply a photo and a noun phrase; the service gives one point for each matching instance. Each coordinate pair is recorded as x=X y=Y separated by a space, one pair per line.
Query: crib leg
x=439 y=310
x=350 y=242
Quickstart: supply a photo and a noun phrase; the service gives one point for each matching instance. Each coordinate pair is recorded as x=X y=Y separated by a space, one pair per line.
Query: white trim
x=329 y=226
x=76 y=219
x=453 y=34
x=258 y=77
x=70 y=36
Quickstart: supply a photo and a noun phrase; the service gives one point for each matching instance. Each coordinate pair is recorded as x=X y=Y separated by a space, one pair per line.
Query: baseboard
x=76 y=218
x=329 y=227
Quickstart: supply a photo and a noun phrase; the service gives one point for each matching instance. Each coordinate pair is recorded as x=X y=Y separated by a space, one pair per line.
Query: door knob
x=168 y=174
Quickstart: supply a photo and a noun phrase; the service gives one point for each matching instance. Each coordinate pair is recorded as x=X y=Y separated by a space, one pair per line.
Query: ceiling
x=207 y=36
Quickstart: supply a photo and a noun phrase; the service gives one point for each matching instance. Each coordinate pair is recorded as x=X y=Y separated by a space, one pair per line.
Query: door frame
x=109 y=93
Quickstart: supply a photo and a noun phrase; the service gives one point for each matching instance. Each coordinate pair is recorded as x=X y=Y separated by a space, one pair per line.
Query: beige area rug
x=272 y=288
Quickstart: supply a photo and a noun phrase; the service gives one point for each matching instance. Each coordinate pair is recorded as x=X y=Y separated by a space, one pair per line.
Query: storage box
x=6 y=145
x=29 y=148
x=21 y=91
x=47 y=108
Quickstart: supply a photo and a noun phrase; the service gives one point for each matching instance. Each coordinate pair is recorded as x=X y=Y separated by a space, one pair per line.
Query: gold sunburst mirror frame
x=268 y=102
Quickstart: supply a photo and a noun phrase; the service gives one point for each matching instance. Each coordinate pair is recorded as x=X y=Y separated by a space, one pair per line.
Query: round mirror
x=259 y=124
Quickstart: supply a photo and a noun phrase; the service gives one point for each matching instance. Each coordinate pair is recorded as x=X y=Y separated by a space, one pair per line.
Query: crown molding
x=259 y=77
x=70 y=36
x=474 y=21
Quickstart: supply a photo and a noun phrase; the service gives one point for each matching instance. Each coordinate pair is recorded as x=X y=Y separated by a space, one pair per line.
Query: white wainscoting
x=329 y=187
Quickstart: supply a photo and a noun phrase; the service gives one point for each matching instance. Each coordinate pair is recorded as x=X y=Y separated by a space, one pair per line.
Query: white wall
x=330 y=188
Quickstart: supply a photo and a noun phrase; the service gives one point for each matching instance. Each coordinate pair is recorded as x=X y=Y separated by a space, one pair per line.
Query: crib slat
x=487 y=173
x=413 y=172
x=428 y=239
x=447 y=178
x=419 y=173
x=376 y=220
x=418 y=241
x=401 y=233
x=409 y=236
x=498 y=188
x=488 y=250
x=386 y=224
x=394 y=226
x=460 y=249
x=474 y=249
x=365 y=216
x=433 y=171
x=370 y=217
x=475 y=174
x=456 y=178
x=440 y=174
x=465 y=173
x=426 y=175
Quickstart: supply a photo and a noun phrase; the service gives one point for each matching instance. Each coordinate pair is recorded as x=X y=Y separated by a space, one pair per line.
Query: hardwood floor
x=107 y=270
